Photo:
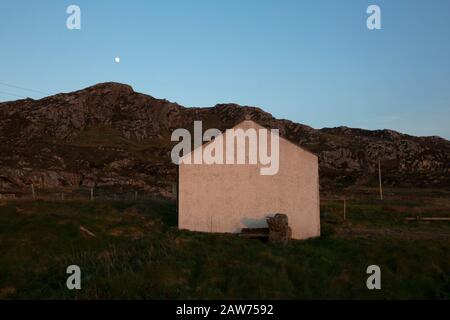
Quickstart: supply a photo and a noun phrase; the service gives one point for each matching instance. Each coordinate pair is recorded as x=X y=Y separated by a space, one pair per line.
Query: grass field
x=136 y=252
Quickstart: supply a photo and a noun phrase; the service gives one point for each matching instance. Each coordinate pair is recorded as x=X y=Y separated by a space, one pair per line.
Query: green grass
x=138 y=253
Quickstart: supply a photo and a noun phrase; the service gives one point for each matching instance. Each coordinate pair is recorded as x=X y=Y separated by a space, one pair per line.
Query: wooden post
x=345 y=209
x=62 y=196
x=174 y=189
x=32 y=192
x=135 y=196
x=92 y=194
x=379 y=178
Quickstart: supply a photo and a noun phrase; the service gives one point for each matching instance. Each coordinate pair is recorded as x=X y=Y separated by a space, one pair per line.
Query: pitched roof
x=239 y=125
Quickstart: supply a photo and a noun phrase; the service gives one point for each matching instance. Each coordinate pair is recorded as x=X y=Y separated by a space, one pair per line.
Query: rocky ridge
x=109 y=136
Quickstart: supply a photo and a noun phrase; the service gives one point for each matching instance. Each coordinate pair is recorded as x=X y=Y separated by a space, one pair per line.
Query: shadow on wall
x=255 y=223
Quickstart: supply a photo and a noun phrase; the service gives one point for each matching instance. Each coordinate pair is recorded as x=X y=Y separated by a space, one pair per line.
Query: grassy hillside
x=138 y=253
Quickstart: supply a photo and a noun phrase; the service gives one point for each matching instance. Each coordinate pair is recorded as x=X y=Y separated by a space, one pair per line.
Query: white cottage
x=225 y=198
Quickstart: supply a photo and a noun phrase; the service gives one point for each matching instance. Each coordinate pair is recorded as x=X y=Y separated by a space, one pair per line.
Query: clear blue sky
x=313 y=62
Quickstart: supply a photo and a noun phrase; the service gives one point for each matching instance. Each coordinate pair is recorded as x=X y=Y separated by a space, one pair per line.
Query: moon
x=117 y=59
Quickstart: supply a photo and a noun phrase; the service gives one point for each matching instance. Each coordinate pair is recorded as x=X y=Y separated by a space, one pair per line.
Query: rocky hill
x=109 y=136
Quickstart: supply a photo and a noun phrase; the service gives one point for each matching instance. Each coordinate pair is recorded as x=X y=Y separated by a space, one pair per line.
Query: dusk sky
x=313 y=62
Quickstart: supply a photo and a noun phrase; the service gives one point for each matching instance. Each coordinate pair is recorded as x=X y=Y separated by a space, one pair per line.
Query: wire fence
x=86 y=194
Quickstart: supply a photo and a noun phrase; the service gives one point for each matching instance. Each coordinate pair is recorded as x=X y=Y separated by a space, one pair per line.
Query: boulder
x=279 y=230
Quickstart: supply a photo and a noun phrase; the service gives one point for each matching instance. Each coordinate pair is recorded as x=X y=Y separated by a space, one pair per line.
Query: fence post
x=32 y=192
x=135 y=196
x=345 y=209
x=174 y=189
x=379 y=180
x=92 y=194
